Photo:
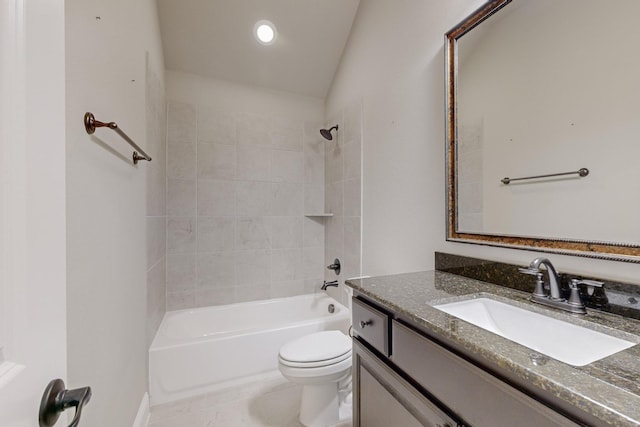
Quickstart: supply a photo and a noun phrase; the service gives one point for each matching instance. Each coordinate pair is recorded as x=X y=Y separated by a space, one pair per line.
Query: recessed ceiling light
x=265 y=32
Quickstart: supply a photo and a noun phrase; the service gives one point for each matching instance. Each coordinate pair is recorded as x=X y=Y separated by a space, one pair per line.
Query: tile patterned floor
x=273 y=402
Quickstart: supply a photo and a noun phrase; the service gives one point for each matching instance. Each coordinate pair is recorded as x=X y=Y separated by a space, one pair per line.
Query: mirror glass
x=546 y=87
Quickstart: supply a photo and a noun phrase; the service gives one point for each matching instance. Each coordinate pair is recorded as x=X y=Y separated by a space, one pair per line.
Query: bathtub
x=201 y=350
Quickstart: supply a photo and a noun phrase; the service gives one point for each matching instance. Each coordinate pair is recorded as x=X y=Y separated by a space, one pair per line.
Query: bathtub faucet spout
x=327 y=284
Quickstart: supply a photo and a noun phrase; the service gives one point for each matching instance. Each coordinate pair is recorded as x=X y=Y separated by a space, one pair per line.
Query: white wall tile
x=157 y=186
x=253 y=233
x=334 y=162
x=312 y=260
x=253 y=267
x=280 y=289
x=205 y=297
x=334 y=198
x=253 y=198
x=313 y=141
x=286 y=264
x=181 y=197
x=181 y=123
x=254 y=130
x=181 y=161
x=216 y=161
x=285 y=138
x=181 y=235
x=180 y=300
x=334 y=233
x=181 y=272
x=156 y=242
x=287 y=166
x=286 y=232
x=252 y=293
x=216 y=234
x=313 y=168
x=352 y=197
x=243 y=181
x=313 y=199
x=352 y=236
x=216 y=197
x=352 y=157
x=156 y=171
x=312 y=286
x=216 y=127
x=216 y=270
x=253 y=163
x=156 y=297
x=287 y=199
x=313 y=232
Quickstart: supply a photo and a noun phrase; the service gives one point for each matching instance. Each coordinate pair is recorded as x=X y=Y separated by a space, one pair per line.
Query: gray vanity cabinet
x=418 y=382
x=384 y=399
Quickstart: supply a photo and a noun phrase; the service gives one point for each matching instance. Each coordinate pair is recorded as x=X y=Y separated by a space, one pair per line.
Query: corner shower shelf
x=318 y=214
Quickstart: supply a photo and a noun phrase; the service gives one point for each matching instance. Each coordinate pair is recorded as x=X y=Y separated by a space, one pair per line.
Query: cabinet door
x=472 y=393
x=384 y=399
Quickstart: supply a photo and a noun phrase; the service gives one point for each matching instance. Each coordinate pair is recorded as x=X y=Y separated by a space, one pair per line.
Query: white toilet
x=321 y=362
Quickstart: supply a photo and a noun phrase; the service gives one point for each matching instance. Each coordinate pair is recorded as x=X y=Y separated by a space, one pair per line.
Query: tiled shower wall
x=238 y=188
x=343 y=195
x=156 y=116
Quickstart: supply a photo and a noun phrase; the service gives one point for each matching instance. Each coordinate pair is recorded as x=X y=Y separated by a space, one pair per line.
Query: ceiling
x=214 y=38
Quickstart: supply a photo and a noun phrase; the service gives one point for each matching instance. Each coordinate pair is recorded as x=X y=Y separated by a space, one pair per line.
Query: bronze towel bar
x=90 y=124
x=581 y=172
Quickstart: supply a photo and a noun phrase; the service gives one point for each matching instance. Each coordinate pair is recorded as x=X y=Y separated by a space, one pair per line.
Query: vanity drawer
x=476 y=396
x=372 y=325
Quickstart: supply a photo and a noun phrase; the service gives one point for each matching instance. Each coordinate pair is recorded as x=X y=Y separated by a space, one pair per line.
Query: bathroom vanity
x=415 y=365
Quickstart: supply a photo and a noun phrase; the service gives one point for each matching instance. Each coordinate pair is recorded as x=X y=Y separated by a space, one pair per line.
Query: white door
x=32 y=206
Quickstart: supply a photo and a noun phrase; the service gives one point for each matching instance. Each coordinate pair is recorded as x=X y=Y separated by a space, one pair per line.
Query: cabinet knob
x=365 y=323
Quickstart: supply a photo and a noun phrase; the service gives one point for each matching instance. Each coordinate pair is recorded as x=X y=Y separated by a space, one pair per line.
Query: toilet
x=321 y=363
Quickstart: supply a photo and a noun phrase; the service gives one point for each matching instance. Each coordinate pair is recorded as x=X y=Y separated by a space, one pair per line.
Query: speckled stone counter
x=608 y=389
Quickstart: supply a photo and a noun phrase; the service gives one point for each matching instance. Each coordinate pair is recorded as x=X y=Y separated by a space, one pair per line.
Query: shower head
x=326 y=133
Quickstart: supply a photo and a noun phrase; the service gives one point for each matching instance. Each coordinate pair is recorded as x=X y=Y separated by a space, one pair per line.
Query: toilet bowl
x=321 y=363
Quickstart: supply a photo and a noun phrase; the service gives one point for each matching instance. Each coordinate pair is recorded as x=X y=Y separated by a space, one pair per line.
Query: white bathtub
x=201 y=350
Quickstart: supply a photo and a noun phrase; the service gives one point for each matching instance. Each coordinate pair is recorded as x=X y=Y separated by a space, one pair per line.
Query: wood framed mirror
x=544 y=89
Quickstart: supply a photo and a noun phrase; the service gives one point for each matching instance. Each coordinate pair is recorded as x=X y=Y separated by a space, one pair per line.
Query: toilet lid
x=325 y=345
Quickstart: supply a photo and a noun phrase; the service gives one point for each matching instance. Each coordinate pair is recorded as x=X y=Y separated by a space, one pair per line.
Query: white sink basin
x=555 y=338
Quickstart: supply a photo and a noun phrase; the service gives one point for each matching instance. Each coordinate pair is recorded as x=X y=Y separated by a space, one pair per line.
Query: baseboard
x=144 y=412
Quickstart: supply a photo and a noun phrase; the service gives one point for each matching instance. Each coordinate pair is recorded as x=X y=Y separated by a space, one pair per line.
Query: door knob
x=56 y=399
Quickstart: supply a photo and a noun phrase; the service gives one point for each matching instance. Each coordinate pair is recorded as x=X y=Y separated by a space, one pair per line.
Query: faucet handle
x=528 y=270
x=594 y=283
x=574 y=295
x=539 y=290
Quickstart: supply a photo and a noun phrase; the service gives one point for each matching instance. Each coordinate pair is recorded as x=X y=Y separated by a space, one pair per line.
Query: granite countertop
x=608 y=389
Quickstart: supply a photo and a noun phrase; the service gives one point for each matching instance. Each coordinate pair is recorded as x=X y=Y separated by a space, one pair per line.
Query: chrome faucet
x=554 y=280
x=554 y=298
x=328 y=284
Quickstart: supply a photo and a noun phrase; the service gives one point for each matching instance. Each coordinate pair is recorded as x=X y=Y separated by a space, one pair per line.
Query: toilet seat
x=317 y=363
x=316 y=350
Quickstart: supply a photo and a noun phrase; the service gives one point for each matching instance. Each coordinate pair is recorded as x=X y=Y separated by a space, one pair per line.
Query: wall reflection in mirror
x=544 y=87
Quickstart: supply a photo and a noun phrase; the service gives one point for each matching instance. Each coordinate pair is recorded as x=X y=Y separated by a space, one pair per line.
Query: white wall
x=244 y=166
x=394 y=60
x=32 y=206
x=107 y=43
